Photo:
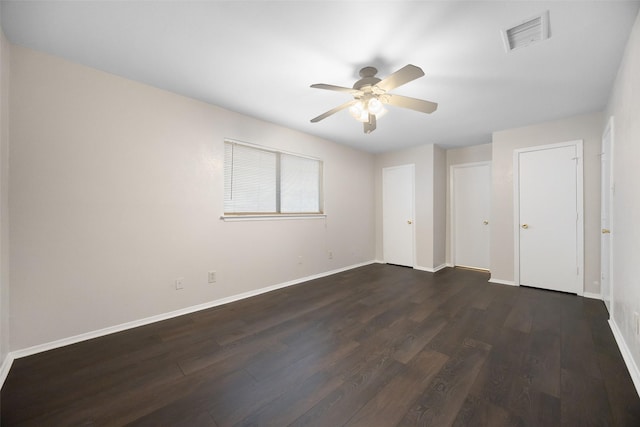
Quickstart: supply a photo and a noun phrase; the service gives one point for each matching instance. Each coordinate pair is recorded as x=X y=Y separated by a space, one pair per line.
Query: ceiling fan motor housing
x=368 y=79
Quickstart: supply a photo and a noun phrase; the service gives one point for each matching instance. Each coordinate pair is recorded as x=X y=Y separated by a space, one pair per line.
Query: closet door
x=398 y=214
x=549 y=217
x=471 y=208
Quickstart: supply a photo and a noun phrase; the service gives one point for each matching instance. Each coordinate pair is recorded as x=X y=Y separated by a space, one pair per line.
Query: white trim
x=440 y=267
x=610 y=128
x=592 y=295
x=269 y=149
x=578 y=144
x=187 y=310
x=634 y=372
x=452 y=187
x=503 y=282
x=6 y=366
x=431 y=270
x=469 y=267
x=271 y=217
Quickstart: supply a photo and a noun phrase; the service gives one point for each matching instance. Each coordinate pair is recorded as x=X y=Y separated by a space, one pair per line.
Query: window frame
x=243 y=216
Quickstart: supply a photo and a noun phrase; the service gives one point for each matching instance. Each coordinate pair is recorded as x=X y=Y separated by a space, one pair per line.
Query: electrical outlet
x=179 y=283
x=636 y=324
x=300 y=259
x=330 y=254
x=212 y=277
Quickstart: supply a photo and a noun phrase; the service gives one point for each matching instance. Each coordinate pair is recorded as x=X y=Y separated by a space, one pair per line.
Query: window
x=259 y=181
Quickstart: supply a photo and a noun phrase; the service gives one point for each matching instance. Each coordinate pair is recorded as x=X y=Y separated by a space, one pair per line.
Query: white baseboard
x=4 y=368
x=417 y=267
x=502 y=282
x=157 y=318
x=592 y=295
x=429 y=269
x=634 y=372
x=440 y=267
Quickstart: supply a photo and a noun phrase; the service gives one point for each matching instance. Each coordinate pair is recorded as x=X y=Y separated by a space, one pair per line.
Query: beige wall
x=624 y=106
x=586 y=127
x=458 y=156
x=439 y=206
x=4 y=197
x=427 y=175
x=116 y=191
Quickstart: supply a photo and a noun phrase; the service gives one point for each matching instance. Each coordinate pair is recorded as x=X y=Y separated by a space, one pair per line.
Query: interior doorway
x=398 y=240
x=470 y=210
x=548 y=216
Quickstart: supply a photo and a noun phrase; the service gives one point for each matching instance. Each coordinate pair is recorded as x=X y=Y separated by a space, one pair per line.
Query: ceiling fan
x=371 y=93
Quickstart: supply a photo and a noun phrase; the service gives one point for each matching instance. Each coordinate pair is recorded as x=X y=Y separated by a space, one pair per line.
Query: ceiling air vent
x=530 y=31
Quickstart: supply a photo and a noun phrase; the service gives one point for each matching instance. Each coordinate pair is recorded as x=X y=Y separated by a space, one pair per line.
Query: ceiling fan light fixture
x=356 y=110
x=374 y=106
x=364 y=117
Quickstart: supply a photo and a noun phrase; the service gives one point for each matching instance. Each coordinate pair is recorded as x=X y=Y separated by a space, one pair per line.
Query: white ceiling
x=259 y=58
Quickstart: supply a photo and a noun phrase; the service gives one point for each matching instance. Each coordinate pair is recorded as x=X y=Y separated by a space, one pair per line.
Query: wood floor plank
x=294 y=402
x=521 y=317
x=419 y=337
x=584 y=401
x=393 y=401
x=242 y=402
x=625 y=406
x=440 y=404
x=378 y=345
x=477 y=411
x=535 y=407
x=360 y=385
x=503 y=365
x=449 y=339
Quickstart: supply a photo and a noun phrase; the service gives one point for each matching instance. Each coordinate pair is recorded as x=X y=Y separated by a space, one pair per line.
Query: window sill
x=271 y=217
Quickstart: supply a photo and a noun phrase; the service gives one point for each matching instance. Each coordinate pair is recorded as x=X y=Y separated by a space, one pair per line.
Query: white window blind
x=299 y=184
x=261 y=181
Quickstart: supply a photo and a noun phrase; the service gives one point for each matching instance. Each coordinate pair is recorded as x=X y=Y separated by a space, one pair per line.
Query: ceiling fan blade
x=370 y=125
x=400 y=77
x=337 y=88
x=333 y=111
x=411 y=103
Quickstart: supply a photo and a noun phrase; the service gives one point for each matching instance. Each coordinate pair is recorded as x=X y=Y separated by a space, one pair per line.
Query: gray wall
x=4 y=196
x=116 y=189
x=586 y=127
x=429 y=162
x=624 y=107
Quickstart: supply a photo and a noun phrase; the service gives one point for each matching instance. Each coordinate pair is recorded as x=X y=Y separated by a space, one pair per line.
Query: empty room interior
x=372 y=213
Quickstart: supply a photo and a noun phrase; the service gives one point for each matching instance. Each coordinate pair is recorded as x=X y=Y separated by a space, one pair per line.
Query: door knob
x=409 y=222
x=606 y=231
x=525 y=226
x=485 y=222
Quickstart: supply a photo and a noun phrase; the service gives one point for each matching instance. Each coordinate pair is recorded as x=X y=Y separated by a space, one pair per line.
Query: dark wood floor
x=376 y=346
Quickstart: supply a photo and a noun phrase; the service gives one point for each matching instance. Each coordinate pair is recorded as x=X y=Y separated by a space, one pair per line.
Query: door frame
x=609 y=129
x=452 y=189
x=412 y=168
x=578 y=144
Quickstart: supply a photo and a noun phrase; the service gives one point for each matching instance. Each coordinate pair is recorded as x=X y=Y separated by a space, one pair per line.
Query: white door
x=471 y=198
x=549 y=215
x=398 y=215
x=605 y=215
